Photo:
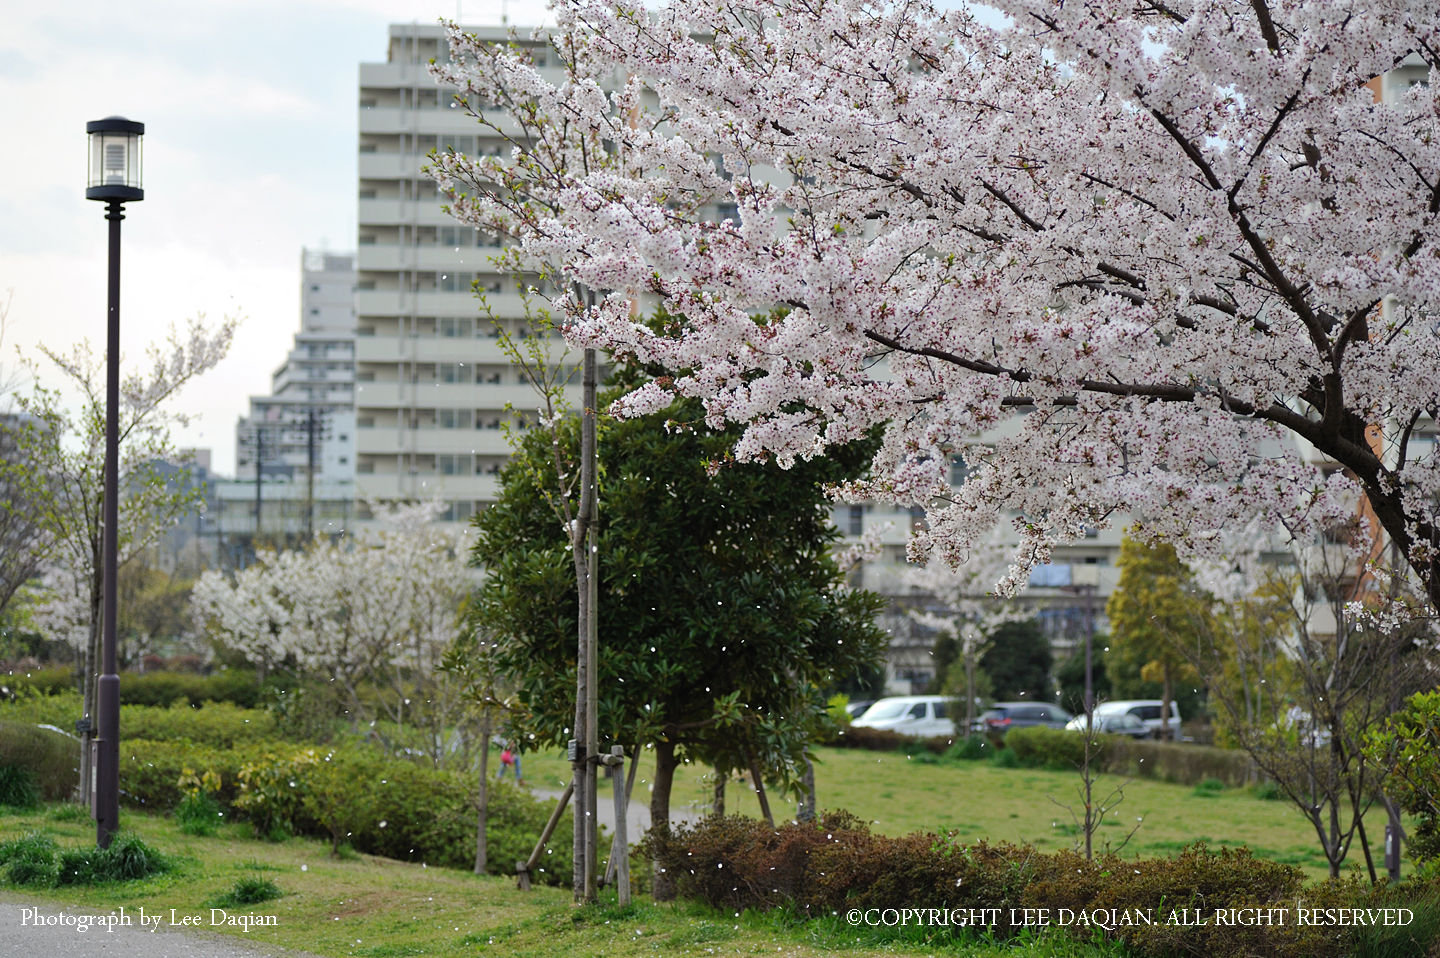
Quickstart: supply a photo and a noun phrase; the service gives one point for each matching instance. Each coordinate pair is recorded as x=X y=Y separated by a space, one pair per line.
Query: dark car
x=1007 y=715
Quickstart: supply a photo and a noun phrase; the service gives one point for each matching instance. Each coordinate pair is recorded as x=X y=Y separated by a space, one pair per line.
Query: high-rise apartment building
x=295 y=451
x=433 y=385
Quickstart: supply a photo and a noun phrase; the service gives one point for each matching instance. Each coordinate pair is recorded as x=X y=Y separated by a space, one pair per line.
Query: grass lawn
x=377 y=907
x=900 y=795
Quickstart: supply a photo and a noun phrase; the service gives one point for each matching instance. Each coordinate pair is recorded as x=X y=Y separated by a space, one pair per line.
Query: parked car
x=857 y=709
x=1114 y=723
x=922 y=715
x=1147 y=711
x=1007 y=715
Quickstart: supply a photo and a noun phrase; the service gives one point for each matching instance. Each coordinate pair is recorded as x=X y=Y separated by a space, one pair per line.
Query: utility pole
x=310 y=422
x=259 y=475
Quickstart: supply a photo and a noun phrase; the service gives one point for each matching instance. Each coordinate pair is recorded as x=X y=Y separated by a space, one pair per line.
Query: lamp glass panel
x=115 y=160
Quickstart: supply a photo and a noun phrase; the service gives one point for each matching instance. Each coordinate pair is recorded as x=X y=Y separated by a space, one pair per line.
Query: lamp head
x=115 y=171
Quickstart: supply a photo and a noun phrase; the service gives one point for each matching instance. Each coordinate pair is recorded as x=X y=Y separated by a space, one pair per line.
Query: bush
x=150 y=772
x=884 y=740
x=972 y=749
x=836 y=864
x=219 y=724
x=1039 y=746
x=397 y=809
x=17 y=787
x=51 y=759
x=1006 y=758
x=1178 y=763
x=199 y=814
x=247 y=891
x=235 y=687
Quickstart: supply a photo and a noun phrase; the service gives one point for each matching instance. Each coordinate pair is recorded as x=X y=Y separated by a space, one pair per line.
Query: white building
x=295 y=451
x=433 y=385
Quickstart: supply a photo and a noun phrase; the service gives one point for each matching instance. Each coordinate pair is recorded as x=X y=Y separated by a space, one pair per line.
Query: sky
x=250 y=145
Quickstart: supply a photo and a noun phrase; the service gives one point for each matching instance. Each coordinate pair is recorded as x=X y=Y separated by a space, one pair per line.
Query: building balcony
x=386 y=302
x=389 y=257
x=426 y=485
x=388 y=441
x=380 y=395
x=390 y=349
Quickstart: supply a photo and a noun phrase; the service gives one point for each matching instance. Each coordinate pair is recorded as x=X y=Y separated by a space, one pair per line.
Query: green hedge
x=428 y=814
x=236 y=686
x=220 y=724
x=52 y=759
x=836 y=865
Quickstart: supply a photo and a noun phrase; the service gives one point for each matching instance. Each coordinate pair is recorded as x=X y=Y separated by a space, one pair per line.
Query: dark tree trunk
x=482 y=851
x=663 y=886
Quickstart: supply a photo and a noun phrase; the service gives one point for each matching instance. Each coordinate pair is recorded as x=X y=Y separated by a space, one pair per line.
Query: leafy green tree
x=1153 y=617
x=1018 y=661
x=722 y=614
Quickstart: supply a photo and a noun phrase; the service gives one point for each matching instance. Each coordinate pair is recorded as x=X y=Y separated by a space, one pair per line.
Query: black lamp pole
x=115 y=179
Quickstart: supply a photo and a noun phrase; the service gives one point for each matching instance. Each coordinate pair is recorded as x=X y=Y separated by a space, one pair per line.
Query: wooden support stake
x=523 y=869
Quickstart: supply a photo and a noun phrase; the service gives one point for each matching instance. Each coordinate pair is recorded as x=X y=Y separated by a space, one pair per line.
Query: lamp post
x=114 y=178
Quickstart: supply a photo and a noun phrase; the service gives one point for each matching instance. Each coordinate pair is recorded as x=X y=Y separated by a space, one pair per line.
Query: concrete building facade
x=295 y=451
x=433 y=386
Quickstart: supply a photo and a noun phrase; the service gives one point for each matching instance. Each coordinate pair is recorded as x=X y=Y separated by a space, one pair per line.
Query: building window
x=454 y=418
x=857 y=520
x=454 y=373
x=454 y=282
x=457 y=236
x=456 y=465
x=456 y=328
x=458 y=511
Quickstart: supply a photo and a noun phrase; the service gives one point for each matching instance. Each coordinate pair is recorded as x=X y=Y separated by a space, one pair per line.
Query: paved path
x=21 y=937
x=637 y=814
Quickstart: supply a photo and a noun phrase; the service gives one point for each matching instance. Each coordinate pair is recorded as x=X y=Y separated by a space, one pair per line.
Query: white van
x=1147 y=711
x=921 y=715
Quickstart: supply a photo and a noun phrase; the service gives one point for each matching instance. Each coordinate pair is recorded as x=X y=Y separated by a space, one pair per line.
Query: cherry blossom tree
x=64 y=451
x=1150 y=251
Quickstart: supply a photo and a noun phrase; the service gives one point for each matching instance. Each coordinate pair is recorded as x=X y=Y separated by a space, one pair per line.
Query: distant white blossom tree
x=374 y=608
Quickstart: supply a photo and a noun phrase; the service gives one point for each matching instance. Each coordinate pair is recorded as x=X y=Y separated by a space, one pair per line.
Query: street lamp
x=115 y=178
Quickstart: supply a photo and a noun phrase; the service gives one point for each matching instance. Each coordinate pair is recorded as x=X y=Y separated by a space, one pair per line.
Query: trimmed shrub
x=397 y=809
x=836 y=864
x=884 y=740
x=1039 y=746
x=51 y=759
x=219 y=724
x=1181 y=764
x=235 y=687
